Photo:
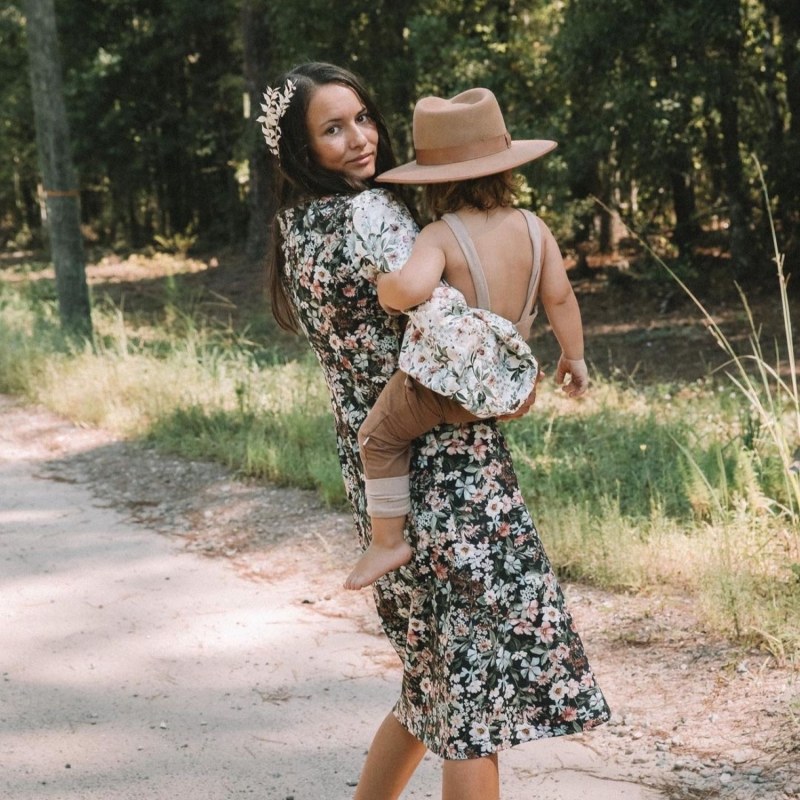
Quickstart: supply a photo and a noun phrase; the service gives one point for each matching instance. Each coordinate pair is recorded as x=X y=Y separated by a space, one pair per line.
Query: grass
x=647 y=488
x=681 y=486
x=751 y=584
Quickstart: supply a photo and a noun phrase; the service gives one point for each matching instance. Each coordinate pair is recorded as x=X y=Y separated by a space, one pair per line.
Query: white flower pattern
x=477 y=618
x=469 y=354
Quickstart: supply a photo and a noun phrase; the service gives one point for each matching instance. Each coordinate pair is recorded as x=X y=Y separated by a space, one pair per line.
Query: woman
x=490 y=657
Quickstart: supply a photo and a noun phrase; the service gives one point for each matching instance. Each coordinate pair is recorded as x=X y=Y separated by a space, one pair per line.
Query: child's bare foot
x=376 y=562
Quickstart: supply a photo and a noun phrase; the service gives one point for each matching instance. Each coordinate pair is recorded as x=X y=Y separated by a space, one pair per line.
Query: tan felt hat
x=461 y=138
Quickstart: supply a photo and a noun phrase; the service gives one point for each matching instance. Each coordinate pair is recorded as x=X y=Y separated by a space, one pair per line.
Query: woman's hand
x=527 y=405
x=578 y=374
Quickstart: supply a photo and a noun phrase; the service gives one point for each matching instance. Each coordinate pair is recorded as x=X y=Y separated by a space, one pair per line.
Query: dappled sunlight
x=111 y=269
x=78 y=580
x=86 y=618
x=27 y=516
x=192 y=740
x=131 y=668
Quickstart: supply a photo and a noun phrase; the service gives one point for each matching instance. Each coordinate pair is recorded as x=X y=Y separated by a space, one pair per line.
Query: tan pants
x=404 y=411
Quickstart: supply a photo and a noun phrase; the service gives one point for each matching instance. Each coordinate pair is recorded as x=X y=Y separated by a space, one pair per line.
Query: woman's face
x=342 y=135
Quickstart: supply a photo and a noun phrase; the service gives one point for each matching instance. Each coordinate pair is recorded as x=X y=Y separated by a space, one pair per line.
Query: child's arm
x=561 y=307
x=419 y=276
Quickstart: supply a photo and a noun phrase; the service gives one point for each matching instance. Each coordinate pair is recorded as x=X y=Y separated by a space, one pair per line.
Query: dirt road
x=171 y=632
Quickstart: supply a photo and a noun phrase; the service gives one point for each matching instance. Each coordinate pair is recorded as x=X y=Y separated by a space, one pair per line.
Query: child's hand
x=578 y=376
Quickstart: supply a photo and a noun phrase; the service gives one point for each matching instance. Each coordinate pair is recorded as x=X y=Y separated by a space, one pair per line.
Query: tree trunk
x=728 y=94
x=607 y=223
x=684 y=202
x=257 y=60
x=58 y=171
x=787 y=182
x=740 y=240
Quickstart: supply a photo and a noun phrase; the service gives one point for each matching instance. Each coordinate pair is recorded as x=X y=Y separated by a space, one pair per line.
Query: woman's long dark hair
x=299 y=178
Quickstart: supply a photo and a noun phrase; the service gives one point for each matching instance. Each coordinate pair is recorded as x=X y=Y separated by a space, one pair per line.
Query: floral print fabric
x=469 y=354
x=489 y=652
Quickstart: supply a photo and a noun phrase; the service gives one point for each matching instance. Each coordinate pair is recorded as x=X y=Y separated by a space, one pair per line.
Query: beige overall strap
x=531 y=309
x=473 y=262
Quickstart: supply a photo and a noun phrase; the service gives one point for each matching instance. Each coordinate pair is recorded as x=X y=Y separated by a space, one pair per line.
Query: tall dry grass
x=679 y=488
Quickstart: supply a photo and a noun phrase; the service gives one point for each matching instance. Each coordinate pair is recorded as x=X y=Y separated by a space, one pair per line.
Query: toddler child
x=470 y=289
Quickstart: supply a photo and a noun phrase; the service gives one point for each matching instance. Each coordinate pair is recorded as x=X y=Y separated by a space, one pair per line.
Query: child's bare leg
x=387 y=551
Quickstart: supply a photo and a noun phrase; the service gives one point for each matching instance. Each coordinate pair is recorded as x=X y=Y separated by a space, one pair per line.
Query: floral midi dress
x=490 y=655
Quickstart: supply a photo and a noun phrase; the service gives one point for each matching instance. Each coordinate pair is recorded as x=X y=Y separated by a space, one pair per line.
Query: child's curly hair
x=485 y=193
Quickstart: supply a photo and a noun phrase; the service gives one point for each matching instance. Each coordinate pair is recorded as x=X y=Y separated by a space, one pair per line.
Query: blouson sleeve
x=383 y=233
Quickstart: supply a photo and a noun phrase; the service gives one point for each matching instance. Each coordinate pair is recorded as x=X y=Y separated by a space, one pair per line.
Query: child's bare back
x=504 y=249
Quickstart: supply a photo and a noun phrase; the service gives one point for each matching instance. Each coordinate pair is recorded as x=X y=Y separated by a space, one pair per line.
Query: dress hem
x=585 y=727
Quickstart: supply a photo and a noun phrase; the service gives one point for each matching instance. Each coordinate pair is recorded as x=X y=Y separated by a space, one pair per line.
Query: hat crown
x=470 y=117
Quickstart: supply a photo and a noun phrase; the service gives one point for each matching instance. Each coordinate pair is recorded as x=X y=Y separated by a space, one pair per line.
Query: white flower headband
x=277 y=101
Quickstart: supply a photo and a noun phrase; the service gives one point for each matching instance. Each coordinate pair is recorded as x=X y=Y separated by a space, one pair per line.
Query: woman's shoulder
x=378 y=202
x=379 y=210
x=319 y=214
x=374 y=203
x=383 y=230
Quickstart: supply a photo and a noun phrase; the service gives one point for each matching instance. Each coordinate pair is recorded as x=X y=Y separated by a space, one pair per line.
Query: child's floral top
x=471 y=355
x=490 y=656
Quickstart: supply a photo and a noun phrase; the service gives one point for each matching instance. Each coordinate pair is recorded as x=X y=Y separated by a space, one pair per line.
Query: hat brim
x=520 y=152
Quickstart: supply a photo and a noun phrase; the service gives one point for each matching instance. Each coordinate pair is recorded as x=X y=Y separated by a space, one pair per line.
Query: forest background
x=658 y=107
x=676 y=180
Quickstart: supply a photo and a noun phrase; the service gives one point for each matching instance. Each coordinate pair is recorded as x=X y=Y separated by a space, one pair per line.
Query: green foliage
x=662 y=99
x=506 y=47
x=647 y=453
x=154 y=95
x=179 y=243
x=652 y=104
x=19 y=212
x=608 y=455
x=22 y=353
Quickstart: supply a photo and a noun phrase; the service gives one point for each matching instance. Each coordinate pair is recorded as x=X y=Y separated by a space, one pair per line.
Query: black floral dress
x=490 y=656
